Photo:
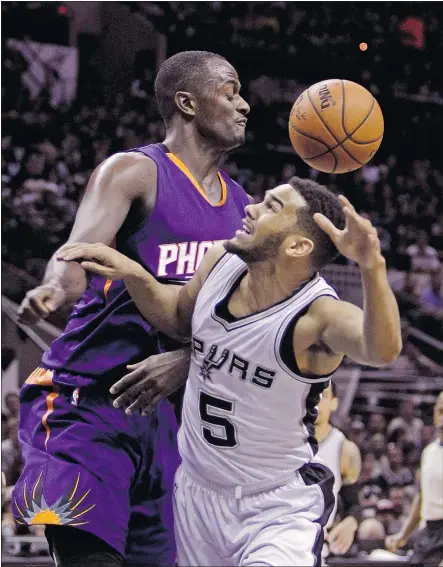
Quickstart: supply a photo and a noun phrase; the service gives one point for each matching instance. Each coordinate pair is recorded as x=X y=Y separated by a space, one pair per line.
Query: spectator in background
x=437 y=235
x=424 y=261
x=394 y=473
x=11 y=454
x=431 y=298
x=426 y=437
x=12 y=403
x=398 y=496
x=376 y=424
x=407 y=421
x=411 y=357
x=4 y=426
x=370 y=490
x=371 y=529
x=385 y=514
x=378 y=445
x=357 y=433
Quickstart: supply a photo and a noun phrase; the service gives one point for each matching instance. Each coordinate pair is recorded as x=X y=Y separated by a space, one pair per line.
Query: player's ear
x=185 y=102
x=298 y=246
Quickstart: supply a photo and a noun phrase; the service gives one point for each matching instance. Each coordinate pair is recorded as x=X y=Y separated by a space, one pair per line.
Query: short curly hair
x=319 y=199
x=184 y=71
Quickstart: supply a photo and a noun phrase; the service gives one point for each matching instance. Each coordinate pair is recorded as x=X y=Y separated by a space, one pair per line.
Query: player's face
x=267 y=226
x=220 y=114
x=326 y=406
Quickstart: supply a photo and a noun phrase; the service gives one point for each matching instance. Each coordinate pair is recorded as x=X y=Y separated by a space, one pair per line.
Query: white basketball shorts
x=283 y=525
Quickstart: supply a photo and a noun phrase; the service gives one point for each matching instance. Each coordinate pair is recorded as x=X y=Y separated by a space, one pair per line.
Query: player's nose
x=250 y=210
x=243 y=107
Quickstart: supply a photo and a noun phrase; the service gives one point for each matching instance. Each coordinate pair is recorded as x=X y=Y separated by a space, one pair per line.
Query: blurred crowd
x=279 y=48
x=391 y=451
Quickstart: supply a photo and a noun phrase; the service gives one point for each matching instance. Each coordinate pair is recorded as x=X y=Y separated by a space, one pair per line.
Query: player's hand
x=395 y=542
x=151 y=381
x=41 y=302
x=358 y=241
x=100 y=259
x=342 y=536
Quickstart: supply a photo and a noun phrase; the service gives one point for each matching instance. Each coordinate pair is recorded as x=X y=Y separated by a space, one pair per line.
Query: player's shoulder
x=121 y=160
x=328 y=307
x=130 y=172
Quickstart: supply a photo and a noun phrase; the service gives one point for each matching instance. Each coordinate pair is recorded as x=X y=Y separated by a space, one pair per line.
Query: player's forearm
x=413 y=519
x=382 y=333
x=157 y=302
x=69 y=276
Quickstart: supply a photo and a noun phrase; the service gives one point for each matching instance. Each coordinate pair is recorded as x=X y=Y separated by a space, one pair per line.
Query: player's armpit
x=350 y=462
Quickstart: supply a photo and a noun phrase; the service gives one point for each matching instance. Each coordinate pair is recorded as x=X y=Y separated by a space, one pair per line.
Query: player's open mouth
x=245 y=230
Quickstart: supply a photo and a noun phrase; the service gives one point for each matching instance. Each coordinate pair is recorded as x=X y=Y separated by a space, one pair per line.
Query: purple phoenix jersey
x=105 y=331
x=86 y=463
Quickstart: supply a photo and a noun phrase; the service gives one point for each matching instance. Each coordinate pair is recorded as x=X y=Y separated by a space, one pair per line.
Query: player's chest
x=234 y=359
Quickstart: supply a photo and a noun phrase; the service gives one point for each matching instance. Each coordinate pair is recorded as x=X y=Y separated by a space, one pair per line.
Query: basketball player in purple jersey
x=99 y=479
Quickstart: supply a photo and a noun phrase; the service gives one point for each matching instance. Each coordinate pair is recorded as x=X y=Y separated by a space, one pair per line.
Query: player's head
x=438 y=413
x=327 y=405
x=202 y=89
x=282 y=226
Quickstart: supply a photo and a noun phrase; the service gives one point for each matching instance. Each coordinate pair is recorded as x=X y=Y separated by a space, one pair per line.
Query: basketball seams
x=329 y=150
x=329 y=130
x=301 y=133
x=311 y=138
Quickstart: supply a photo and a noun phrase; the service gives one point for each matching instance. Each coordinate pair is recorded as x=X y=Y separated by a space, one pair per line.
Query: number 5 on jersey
x=207 y=404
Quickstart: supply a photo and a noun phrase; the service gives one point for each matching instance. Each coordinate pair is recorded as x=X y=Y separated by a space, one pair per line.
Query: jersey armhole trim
x=284 y=346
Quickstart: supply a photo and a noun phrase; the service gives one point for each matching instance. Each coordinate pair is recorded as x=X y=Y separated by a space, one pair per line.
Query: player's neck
x=322 y=430
x=199 y=157
x=267 y=284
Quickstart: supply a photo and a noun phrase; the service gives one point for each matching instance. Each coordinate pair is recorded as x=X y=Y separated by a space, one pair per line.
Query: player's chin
x=238 y=139
x=233 y=246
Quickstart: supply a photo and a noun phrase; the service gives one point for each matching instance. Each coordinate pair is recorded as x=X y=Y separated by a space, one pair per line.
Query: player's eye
x=272 y=208
x=230 y=97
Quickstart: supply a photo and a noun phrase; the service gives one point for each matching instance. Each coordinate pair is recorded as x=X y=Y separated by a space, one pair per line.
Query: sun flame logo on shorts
x=64 y=512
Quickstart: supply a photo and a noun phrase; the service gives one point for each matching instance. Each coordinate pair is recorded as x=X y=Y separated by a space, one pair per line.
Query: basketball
x=336 y=126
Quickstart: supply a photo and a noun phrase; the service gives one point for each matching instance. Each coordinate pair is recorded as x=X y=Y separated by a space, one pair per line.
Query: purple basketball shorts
x=90 y=466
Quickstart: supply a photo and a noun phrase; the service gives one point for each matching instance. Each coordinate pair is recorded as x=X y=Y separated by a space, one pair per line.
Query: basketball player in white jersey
x=342 y=457
x=428 y=504
x=267 y=334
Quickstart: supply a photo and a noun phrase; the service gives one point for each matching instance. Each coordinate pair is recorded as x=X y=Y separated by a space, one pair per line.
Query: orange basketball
x=336 y=126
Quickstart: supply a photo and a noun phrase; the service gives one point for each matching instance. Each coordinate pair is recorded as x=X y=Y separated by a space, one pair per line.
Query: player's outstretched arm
x=168 y=307
x=108 y=196
x=371 y=336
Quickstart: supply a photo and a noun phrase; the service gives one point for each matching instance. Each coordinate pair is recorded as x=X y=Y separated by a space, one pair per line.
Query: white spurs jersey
x=248 y=416
x=329 y=451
